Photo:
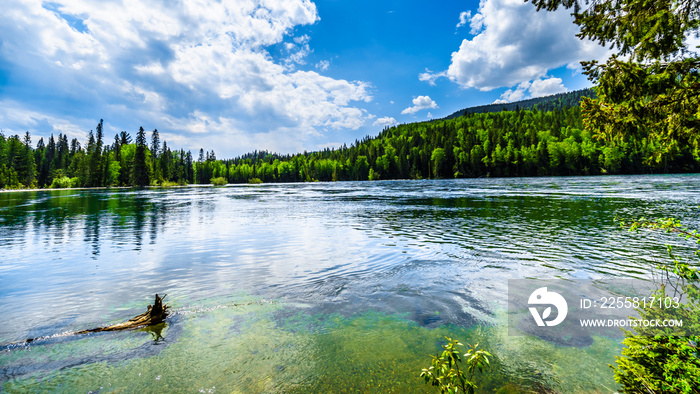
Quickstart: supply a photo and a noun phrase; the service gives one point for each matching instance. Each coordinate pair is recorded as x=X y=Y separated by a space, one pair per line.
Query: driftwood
x=155 y=314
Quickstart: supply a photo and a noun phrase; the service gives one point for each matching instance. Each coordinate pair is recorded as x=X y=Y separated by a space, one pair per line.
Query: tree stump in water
x=155 y=314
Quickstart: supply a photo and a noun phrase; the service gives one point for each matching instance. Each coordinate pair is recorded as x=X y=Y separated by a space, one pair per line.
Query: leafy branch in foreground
x=444 y=371
x=658 y=361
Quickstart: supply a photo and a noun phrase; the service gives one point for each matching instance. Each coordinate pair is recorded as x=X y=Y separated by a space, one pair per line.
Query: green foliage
x=113 y=171
x=96 y=159
x=652 y=97
x=64 y=182
x=506 y=143
x=373 y=176
x=140 y=175
x=438 y=159
x=254 y=181
x=554 y=102
x=651 y=91
x=651 y=361
x=8 y=178
x=444 y=371
x=640 y=28
x=218 y=181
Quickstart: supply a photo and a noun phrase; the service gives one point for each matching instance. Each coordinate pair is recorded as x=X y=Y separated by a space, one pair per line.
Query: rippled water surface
x=312 y=287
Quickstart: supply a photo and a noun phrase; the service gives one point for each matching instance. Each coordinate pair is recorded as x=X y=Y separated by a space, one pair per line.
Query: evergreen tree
x=140 y=175
x=125 y=138
x=165 y=162
x=199 y=176
x=155 y=148
x=27 y=174
x=95 y=157
x=116 y=151
x=42 y=164
x=50 y=159
x=650 y=89
x=189 y=170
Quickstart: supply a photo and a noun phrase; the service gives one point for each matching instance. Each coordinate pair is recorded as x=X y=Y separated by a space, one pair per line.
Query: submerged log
x=155 y=314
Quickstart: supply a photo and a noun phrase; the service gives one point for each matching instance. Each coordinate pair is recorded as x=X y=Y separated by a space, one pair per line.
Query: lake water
x=327 y=287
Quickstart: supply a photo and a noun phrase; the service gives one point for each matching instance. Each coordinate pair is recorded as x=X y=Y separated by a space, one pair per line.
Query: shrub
x=64 y=182
x=656 y=363
x=218 y=181
x=255 y=181
x=444 y=371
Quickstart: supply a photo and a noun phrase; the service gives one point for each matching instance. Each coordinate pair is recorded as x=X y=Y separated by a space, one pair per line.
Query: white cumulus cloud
x=201 y=67
x=464 y=16
x=385 y=121
x=323 y=65
x=547 y=87
x=420 y=103
x=516 y=94
x=429 y=76
x=514 y=43
x=537 y=88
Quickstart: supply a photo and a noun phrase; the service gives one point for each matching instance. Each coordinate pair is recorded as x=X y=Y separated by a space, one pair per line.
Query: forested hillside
x=547 y=103
x=505 y=143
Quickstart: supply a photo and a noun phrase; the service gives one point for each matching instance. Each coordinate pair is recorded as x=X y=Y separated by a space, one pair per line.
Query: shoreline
x=90 y=188
x=378 y=180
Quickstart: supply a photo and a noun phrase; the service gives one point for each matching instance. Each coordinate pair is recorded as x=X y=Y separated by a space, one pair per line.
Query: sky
x=285 y=76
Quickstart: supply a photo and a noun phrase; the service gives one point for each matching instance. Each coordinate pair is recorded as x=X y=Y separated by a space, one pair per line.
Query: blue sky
x=281 y=75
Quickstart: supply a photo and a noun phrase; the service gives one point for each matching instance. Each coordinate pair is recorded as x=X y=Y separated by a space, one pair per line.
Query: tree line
x=507 y=143
x=59 y=164
x=502 y=144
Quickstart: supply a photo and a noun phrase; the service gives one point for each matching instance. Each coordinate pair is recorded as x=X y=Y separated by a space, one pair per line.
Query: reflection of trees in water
x=56 y=218
x=92 y=232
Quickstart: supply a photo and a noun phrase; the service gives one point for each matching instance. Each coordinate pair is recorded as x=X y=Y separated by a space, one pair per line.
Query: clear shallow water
x=312 y=287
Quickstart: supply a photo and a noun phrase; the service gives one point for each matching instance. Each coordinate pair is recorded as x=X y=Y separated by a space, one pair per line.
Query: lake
x=314 y=287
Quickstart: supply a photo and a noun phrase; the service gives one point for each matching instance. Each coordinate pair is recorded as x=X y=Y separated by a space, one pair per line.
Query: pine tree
x=189 y=170
x=165 y=162
x=50 y=159
x=96 y=160
x=651 y=87
x=28 y=173
x=42 y=164
x=116 y=157
x=199 y=178
x=125 y=138
x=139 y=176
x=155 y=147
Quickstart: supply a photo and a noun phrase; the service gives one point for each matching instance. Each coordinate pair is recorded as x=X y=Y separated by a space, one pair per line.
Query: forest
x=508 y=143
x=546 y=103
